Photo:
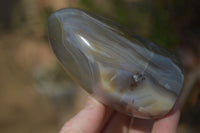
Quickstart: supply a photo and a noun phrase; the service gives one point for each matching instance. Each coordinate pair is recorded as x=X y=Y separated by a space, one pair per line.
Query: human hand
x=97 y=118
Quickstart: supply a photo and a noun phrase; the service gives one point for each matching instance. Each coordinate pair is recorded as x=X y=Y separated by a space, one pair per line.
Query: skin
x=98 y=118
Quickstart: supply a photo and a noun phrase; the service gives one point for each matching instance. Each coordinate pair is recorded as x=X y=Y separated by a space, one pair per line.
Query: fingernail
x=91 y=102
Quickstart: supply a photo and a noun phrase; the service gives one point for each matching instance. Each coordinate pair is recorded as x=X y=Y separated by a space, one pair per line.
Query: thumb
x=89 y=120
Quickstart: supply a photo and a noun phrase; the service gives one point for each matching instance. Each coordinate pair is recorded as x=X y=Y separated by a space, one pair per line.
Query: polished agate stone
x=122 y=70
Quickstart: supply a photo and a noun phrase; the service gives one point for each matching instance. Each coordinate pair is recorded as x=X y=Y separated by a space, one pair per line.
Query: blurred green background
x=35 y=93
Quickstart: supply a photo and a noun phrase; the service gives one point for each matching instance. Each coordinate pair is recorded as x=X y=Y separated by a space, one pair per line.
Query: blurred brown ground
x=35 y=93
x=25 y=57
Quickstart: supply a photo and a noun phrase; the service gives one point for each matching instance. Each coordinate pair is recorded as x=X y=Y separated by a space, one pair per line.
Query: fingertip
x=167 y=124
x=88 y=120
x=92 y=102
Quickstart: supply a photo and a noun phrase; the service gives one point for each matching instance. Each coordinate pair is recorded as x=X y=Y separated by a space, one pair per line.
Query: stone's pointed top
x=124 y=71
